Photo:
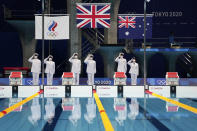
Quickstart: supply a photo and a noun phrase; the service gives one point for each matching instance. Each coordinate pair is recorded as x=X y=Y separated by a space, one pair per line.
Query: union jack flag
x=93 y=15
x=132 y=26
x=126 y=21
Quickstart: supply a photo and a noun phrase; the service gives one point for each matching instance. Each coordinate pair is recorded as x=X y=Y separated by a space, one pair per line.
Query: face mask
x=50 y=59
x=91 y=58
x=133 y=61
x=35 y=57
x=75 y=57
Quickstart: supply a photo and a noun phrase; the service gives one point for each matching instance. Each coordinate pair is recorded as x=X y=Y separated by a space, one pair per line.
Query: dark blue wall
x=10 y=50
x=178 y=16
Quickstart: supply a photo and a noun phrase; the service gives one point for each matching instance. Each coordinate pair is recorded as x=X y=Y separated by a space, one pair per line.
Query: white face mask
x=75 y=57
x=50 y=59
x=35 y=57
x=91 y=58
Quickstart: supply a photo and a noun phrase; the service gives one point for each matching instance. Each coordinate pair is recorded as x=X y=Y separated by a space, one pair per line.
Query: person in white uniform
x=50 y=69
x=91 y=68
x=134 y=109
x=134 y=71
x=50 y=110
x=122 y=116
x=122 y=63
x=91 y=111
x=35 y=68
x=35 y=112
x=76 y=112
x=76 y=67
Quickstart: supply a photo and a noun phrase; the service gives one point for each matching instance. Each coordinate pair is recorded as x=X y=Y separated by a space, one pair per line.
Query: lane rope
x=11 y=108
x=106 y=122
x=184 y=106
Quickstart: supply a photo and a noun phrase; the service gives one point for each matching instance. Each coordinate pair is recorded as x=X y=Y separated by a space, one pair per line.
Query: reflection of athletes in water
x=91 y=111
x=50 y=110
x=134 y=109
x=134 y=71
x=50 y=69
x=35 y=111
x=35 y=68
x=76 y=112
x=91 y=68
x=76 y=67
x=122 y=115
x=122 y=63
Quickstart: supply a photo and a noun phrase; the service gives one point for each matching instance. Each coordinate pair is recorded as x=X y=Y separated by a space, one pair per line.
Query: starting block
x=171 y=107
x=119 y=104
x=67 y=104
x=15 y=78
x=120 y=78
x=172 y=78
x=67 y=78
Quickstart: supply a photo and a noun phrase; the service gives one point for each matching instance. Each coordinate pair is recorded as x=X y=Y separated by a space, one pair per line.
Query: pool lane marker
x=106 y=122
x=11 y=108
x=184 y=106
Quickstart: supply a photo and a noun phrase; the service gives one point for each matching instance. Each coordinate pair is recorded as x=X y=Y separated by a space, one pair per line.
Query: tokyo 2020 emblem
x=51 y=29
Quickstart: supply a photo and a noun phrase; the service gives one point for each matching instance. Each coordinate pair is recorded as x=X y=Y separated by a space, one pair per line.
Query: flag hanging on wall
x=93 y=15
x=55 y=27
x=132 y=26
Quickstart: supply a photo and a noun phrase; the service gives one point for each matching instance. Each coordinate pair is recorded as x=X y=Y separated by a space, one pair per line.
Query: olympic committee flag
x=55 y=27
x=132 y=26
x=93 y=15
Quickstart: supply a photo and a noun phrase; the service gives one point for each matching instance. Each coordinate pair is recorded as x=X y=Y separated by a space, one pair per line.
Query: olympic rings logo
x=30 y=82
x=52 y=34
x=161 y=82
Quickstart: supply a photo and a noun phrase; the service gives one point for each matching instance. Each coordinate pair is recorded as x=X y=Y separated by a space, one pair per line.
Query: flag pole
x=42 y=86
x=42 y=42
x=145 y=57
x=49 y=11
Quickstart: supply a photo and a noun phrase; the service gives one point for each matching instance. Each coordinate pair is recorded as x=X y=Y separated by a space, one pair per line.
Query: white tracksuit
x=50 y=109
x=50 y=71
x=134 y=72
x=35 y=69
x=76 y=69
x=91 y=110
x=91 y=70
x=35 y=111
x=122 y=64
x=134 y=109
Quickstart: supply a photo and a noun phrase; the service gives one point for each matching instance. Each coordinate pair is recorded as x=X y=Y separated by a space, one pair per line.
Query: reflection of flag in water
x=93 y=15
x=132 y=27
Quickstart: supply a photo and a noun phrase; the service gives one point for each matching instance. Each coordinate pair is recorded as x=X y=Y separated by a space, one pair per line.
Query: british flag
x=126 y=21
x=93 y=15
x=132 y=26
